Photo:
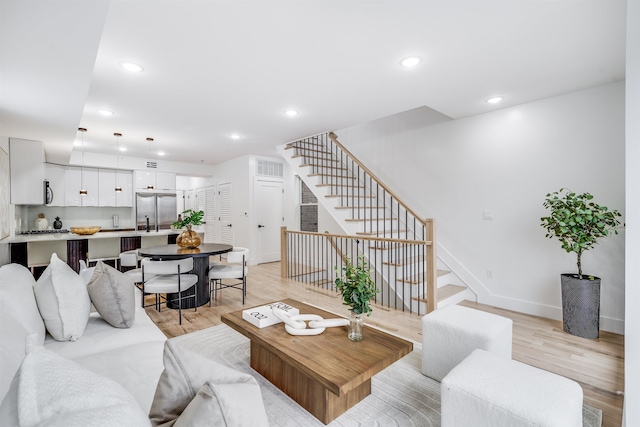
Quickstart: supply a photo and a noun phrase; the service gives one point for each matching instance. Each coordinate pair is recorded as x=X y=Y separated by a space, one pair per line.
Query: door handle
x=260 y=226
x=228 y=225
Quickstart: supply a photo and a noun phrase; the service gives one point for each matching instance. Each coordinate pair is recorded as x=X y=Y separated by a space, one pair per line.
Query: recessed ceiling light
x=123 y=148
x=160 y=153
x=130 y=66
x=235 y=136
x=291 y=113
x=106 y=112
x=411 y=61
x=494 y=100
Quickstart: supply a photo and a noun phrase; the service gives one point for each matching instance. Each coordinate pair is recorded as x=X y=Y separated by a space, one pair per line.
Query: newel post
x=431 y=263
x=284 y=267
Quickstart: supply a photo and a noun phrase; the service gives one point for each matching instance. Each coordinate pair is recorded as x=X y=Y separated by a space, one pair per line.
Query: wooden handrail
x=348 y=236
x=334 y=138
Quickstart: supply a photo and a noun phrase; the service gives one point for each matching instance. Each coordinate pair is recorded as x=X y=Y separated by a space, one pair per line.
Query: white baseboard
x=607 y=324
x=484 y=296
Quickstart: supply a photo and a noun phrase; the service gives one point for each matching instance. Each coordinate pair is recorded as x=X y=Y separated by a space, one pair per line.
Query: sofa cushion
x=53 y=391
x=63 y=301
x=112 y=294
x=19 y=319
x=99 y=336
x=135 y=367
x=17 y=298
x=204 y=392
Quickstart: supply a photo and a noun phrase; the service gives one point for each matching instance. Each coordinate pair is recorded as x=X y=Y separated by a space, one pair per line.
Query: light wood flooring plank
x=597 y=365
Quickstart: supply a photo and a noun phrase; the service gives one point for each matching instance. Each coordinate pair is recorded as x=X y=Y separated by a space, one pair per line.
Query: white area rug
x=400 y=394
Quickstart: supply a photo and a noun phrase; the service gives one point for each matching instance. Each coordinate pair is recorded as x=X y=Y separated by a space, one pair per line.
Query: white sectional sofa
x=108 y=368
x=132 y=357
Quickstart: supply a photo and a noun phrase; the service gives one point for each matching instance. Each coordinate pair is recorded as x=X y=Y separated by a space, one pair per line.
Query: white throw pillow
x=194 y=391
x=63 y=301
x=112 y=294
x=56 y=392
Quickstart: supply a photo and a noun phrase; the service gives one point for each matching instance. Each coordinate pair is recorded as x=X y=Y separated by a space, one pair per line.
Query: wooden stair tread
x=306 y=165
x=416 y=279
x=321 y=159
x=333 y=176
x=380 y=233
x=313 y=150
x=370 y=219
x=371 y=208
x=444 y=292
x=354 y=196
x=348 y=186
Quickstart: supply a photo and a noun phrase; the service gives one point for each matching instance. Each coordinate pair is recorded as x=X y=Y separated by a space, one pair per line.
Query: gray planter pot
x=581 y=305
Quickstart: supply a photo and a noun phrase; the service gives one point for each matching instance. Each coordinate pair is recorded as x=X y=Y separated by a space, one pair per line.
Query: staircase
x=369 y=211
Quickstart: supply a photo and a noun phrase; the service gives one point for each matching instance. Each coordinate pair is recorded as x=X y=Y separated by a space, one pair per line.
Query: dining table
x=200 y=257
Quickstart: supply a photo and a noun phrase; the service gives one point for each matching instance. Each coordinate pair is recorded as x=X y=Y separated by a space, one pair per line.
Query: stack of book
x=263 y=316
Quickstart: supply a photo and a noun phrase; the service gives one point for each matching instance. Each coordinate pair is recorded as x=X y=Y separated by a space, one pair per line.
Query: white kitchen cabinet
x=154 y=180
x=144 y=179
x=107 y=187
x=165 y=181
x=124 y=179
x=55 y=175
x=108 y=180
x=76 y=177
x=27 y=171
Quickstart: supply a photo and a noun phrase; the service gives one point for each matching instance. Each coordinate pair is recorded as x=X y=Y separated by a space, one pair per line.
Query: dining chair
x=129 y=259
x=168 y=277
x=235 y=269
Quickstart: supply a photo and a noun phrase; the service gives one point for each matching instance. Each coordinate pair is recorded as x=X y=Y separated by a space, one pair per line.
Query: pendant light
x=118 y=135
x=149 y=140
x=83 y=191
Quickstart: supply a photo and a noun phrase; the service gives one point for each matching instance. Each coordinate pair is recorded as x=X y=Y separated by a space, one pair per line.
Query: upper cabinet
x=124 y=179
x=166 y=181
x=54 y=174
x=108 y=180
x=27 y=171
x=75 y=178
x=154 y=180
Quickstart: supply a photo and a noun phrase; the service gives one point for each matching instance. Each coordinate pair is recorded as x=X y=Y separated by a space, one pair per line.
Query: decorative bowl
x=85 y=230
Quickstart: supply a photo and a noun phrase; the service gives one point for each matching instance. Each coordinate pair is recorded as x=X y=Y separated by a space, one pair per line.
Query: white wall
x=506 y=161
x=632 y=301
x=4 y=247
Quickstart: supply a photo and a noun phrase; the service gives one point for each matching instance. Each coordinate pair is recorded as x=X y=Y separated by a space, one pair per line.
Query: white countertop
x=27 y=238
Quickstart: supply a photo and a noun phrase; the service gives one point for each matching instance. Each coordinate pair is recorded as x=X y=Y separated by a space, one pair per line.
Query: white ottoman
x=451 y=333
x=492 y=391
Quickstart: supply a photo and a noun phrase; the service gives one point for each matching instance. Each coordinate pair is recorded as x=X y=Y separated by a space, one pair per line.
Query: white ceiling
x=213 y=68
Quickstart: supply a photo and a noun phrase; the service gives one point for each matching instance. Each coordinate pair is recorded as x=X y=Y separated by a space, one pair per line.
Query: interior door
x=211 y=226
x=269 y=208
x=224 y=213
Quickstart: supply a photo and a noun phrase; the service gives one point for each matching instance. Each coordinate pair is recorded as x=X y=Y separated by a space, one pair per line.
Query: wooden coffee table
x=327 y=373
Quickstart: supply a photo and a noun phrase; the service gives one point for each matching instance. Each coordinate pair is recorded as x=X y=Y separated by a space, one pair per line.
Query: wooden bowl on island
x=85 y=230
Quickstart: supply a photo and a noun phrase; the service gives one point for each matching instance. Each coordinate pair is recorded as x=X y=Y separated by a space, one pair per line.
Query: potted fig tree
x=579 y=223
x=357 y=289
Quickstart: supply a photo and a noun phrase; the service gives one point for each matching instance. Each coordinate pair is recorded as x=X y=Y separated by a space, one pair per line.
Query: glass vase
x=188 y=239
x=356 y=323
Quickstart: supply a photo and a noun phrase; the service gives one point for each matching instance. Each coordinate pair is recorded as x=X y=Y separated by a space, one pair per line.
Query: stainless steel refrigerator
x=157 y=210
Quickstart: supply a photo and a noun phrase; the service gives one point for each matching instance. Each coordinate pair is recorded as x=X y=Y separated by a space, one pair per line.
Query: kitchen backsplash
x=73 y=217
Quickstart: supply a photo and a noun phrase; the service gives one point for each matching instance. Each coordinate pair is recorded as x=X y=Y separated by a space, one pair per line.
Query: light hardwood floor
x=597 y=365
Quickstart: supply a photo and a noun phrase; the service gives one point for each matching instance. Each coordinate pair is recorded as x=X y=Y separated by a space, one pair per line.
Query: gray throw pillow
x=194 y=390
x=112 y=294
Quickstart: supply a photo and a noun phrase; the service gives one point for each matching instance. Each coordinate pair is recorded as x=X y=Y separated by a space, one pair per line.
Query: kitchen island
x=34 y=250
